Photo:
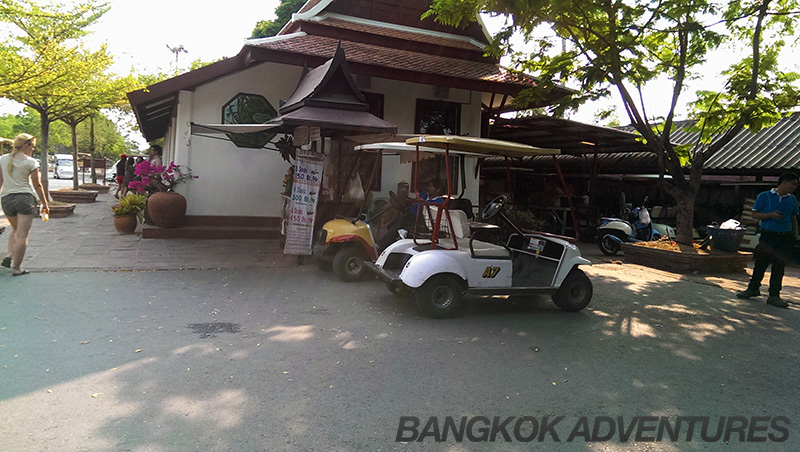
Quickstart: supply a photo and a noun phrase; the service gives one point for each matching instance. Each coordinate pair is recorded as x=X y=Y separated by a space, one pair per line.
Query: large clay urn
x=168 y=210
x=125 y=224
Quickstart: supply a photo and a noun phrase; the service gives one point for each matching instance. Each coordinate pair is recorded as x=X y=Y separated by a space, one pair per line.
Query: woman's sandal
x=22 y=272
x=6 y=262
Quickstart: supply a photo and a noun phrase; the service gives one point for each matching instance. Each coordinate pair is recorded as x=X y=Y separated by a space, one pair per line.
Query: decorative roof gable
x=327 y=97
x=328 y=86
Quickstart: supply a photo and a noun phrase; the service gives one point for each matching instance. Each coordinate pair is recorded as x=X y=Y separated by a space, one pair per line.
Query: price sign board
x=300 y=137
x=303 y=202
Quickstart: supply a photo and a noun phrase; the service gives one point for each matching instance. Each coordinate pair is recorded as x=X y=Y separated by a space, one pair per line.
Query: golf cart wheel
x=348 y=264
x=398 y=289
x=609 y=245
x=575 y=292
x=440 y=297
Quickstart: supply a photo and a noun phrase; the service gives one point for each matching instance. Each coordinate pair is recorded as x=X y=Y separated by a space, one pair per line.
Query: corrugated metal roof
x=603 y=163
x=776 y=148
x=770 y=150
x=571 y=137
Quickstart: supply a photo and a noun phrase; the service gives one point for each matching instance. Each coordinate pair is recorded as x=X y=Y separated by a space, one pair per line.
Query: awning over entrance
x=229 y=128
x=330 y=120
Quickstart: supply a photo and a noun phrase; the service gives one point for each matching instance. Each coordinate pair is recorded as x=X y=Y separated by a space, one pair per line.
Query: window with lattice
x=249 y=109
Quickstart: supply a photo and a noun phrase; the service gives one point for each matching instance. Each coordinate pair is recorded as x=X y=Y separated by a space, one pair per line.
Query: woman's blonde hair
x=19 y=141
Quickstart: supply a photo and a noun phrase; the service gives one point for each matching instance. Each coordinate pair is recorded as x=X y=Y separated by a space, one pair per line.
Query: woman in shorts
x=18 y=199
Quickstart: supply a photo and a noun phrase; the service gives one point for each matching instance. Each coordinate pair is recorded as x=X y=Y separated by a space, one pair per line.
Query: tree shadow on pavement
x=316 y=364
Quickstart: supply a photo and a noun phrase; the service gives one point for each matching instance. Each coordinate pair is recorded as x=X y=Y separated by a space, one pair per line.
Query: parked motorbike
x=634 y=226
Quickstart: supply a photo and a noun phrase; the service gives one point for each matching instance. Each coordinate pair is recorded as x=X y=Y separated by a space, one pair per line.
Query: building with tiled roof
x=419 y=75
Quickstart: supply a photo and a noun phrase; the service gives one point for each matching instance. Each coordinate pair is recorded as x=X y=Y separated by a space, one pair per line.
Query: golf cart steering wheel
x=494 y=208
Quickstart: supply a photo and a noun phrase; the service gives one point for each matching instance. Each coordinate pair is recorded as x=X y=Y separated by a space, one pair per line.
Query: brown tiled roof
x=396 y=59
x=400 y=34
x=401 y=12
x=309 y=4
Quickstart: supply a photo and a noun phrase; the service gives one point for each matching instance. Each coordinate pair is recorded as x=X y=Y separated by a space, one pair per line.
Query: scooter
x=634 y=226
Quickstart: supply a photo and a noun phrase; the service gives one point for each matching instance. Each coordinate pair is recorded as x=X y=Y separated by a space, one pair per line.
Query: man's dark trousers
x=775 y=248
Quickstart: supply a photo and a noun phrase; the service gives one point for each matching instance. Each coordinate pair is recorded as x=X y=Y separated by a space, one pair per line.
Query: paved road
x=126 y=361
x=109 y=346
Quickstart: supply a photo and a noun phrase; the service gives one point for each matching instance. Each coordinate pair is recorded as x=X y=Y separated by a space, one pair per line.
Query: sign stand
x=303 y=202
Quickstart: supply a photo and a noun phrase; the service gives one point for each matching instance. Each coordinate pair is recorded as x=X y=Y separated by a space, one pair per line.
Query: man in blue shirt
x=435 y=194
x=777 y=210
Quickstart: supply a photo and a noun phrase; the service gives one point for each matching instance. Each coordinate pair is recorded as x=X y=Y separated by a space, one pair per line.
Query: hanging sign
x=303 y=202
x=314 y=133
x=300 y=137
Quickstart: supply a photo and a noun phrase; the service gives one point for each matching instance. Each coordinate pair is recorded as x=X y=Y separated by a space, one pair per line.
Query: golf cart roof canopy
x=479 y=146
x=407 y=152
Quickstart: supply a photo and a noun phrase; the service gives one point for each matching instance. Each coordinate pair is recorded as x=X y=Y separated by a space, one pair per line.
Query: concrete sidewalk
x=87 y=240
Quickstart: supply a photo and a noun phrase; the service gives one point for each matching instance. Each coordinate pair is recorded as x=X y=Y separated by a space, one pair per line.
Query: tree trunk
x=74 y=128
x=684 y=193
x=91 y=151
x=684 y=218
x=42 y=142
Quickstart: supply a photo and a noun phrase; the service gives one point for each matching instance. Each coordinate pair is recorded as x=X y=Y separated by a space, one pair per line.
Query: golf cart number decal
x=491 y=272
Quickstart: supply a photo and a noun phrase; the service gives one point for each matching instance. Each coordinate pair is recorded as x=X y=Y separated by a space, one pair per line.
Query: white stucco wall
x=232 y=181
x=247 y=182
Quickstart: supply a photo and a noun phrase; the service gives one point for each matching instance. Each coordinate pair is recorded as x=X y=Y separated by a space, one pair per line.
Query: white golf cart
x=458 y=260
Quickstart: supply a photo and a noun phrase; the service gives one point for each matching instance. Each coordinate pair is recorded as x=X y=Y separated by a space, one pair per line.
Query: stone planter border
x=62 y=211
x=701 y=262
x=74 y=196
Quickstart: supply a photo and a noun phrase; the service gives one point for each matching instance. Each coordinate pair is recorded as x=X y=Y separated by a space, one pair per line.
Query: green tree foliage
x=612 y=46
x=77 y=82
x=109 y=142
x=32 y=52
x=283 y=13
x=91 y=91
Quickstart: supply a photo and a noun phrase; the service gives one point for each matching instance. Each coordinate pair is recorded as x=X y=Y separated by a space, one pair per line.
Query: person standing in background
x=129 y=175
x=155 y=155
x=120 y=174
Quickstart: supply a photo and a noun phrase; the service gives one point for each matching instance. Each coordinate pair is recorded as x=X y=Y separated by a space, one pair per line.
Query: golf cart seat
x=461 y=234
x=457 y=217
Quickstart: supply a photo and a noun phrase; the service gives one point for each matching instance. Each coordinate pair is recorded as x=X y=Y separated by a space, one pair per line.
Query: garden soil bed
x=95 y=187
x=685 y=259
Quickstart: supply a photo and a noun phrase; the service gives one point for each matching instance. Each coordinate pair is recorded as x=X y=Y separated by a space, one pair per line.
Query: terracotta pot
x=125 y=224
x=168 y=210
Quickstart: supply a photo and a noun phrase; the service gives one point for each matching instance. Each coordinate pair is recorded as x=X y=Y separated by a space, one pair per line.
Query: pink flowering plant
x=152 y=178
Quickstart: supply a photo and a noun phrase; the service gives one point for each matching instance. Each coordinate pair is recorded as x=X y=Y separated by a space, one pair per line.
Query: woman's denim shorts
x=19 y=203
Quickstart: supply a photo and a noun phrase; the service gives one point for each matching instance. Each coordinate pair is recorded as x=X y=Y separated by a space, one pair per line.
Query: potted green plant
x=128 y=211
